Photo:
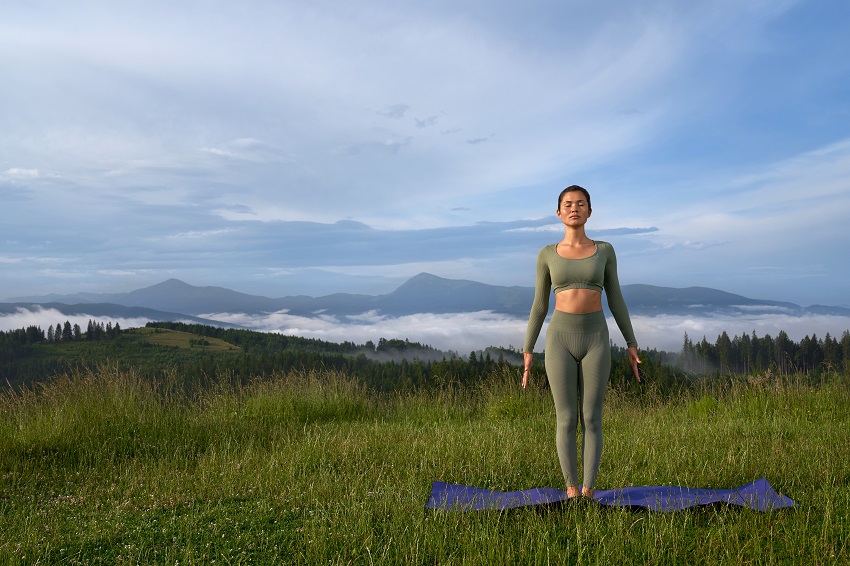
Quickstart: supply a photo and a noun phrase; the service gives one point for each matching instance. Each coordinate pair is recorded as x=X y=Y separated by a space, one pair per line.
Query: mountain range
x=424 y=293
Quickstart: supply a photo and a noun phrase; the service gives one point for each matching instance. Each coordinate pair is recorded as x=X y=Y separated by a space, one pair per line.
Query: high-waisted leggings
x=578 y=362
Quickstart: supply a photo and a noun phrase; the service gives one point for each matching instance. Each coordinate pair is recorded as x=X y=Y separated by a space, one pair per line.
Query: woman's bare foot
x=572 y=491
x=587 y=492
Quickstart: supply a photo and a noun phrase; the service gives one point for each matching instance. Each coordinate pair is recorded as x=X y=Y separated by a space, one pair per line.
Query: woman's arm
x=618 y=307
x=539 y=309
x=540 y=305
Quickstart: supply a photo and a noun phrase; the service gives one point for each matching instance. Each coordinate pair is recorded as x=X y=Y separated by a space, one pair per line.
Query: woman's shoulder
x=604 y=248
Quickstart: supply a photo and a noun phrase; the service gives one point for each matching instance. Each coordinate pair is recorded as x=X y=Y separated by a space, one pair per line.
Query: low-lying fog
x=465 y=332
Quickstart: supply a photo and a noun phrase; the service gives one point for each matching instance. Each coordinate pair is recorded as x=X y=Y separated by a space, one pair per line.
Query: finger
x=636 y=370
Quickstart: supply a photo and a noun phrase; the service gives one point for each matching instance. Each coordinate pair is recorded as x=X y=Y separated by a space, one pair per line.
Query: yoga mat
x=758 y=495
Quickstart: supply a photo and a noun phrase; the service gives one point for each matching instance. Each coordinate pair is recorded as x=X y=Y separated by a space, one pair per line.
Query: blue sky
x=283 y=148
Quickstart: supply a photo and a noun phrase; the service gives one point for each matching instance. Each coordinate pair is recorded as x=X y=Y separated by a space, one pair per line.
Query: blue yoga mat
x=758 y=495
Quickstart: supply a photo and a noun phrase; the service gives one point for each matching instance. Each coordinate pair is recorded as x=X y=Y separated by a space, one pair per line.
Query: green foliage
x=108 y=466
x=702 y=407
x=753 y=354
x=202 y=354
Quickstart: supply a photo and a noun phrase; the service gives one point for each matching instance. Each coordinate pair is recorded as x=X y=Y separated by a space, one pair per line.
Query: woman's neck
x=575 y=237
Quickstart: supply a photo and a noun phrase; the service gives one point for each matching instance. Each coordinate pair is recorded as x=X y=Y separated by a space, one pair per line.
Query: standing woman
x=578 y=353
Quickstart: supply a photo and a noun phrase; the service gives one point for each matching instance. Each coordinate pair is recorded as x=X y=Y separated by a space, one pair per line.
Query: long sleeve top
x=597 y=271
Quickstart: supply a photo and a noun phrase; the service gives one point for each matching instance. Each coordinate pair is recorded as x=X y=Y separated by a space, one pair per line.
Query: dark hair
x=574 y=188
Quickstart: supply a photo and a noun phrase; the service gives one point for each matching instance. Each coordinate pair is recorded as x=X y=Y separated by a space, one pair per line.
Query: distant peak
x=174 y=281
x=170 y=284
x=424 y=276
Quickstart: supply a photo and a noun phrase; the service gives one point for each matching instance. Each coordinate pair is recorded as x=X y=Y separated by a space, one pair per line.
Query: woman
x=578 y=355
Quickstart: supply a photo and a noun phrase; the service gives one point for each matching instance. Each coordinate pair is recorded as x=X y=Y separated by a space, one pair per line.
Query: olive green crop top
x=597 y=272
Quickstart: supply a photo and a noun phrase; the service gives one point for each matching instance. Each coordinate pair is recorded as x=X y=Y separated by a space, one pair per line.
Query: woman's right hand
x=526 y=362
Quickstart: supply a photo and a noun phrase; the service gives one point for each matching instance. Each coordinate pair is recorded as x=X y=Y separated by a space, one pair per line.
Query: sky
x=281 y=148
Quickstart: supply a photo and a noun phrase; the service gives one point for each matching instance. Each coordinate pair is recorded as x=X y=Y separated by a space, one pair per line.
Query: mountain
x=649 y=300
x=422 y=293
x=172 y=295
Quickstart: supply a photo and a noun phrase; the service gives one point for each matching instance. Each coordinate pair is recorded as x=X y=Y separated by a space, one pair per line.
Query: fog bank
x=465 y=332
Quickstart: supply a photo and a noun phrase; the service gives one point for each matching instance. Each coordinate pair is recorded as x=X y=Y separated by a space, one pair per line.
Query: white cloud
x=465 y=332
x=250 y=150
x=44 y=318
x=196 y=234
x=668 y=332
x=461 y=333
x=163 y=118
x=765 y=232
x=21 y=173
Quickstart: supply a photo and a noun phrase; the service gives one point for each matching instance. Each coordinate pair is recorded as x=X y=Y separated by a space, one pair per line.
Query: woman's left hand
x=634 y=361
x=527 y=360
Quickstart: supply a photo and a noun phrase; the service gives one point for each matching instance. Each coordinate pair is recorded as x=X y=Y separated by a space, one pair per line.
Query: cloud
x=426 y=122
x=21 y=173
x=386 y=146
x=195 y=234
x=465 y=332
x=194 y=113
x=763 y=309
x=295 y=112
x=395 y=111
x=667 y=332
x=43 y=318
x=250 y=149
x=759 y=233
x=460 y=333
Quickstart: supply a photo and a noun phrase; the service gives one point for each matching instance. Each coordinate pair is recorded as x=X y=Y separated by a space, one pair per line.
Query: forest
x=30 y=355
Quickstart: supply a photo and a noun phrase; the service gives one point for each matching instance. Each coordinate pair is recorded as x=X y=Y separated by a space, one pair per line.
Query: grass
x=166 y=337
x=303 y=468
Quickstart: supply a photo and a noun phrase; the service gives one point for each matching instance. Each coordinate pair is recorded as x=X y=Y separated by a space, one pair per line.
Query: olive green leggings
x=578 y=362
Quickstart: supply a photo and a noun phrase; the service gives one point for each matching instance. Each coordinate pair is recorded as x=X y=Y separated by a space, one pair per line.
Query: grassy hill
x=179 y=339
x=149 y=351
x=198 y=354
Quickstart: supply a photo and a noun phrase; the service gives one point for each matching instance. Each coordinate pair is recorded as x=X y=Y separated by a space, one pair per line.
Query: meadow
x=103 y=466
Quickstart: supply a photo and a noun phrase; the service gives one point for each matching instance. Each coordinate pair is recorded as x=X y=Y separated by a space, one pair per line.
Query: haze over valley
x=451 y=315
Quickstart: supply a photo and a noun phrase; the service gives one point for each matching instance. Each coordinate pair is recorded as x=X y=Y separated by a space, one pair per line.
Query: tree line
x=750 y=353
x=67 y=332
x=29 y=355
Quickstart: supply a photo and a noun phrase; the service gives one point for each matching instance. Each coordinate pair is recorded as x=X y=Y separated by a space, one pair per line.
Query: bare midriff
x=578 y=301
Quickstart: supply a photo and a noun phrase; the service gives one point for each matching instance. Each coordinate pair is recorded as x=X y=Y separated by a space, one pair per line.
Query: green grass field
x=103 y=467
x=165 y=337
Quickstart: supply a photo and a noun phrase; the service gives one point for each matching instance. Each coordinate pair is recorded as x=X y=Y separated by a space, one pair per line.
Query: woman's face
x=574 y=209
